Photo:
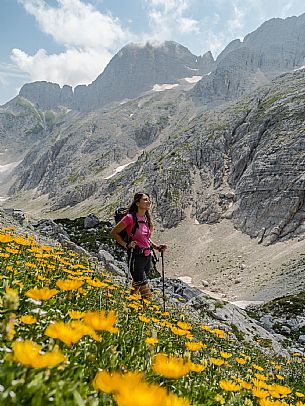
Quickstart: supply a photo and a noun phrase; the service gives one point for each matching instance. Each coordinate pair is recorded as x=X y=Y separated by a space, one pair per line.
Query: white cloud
x=89 y=37
x=72 y=67
x=168 y=19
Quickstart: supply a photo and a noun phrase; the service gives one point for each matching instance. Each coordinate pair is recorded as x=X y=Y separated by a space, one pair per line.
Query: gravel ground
x=226 y=263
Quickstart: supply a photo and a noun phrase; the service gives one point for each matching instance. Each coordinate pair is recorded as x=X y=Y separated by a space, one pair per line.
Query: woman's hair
x=134 y=208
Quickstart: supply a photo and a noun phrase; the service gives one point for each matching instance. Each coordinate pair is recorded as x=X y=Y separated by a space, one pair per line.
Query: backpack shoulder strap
x=135 y=225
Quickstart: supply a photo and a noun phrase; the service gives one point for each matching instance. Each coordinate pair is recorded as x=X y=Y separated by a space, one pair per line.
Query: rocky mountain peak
x=47 y=95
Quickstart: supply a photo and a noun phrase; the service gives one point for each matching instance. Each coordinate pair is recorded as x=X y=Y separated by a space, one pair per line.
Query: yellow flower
x=97 y=284
x=74 y=314
x=299 y=394
x=282 y=390
x=134 y=305
x=134 y=297
x=141 y=394
x=170 y=367
x=244 y=384
x=217 y=361
x=130 y=390
x=21 y=241
x=184 y=326
x=219 y=333
x=69 y=284
x=240 y=361
x=102 y=320
x=260 y=384
x=260 y=393
x=260 y=377
x=195 y=346
x=257 y=367
x=151 y=340
x=280 y=377
x=196 y=367
x=174 y=400
x=11 y=250
x=143 y=318
x=27 y=319
x=225 y=355
x=70 y=333
x=41 y=294
x=5 y=238
x=229 y=386
x=178 y=331
x=27 y=353
x=108 y=383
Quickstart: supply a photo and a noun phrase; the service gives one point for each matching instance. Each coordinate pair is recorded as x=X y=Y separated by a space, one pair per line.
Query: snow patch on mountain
x=166 y=86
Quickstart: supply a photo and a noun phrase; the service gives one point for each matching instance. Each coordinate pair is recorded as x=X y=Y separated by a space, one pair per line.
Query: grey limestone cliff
x=277 y=46
x=132 y=71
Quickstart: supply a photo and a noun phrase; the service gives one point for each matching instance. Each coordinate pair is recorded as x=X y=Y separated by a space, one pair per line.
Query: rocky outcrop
x=277 y=46
x=46 y=95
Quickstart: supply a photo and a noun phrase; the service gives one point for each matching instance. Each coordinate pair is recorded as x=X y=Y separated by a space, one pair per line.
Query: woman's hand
x=162 y=247
x=131 y=245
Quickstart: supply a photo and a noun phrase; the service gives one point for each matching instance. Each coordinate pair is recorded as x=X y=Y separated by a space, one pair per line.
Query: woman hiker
x=139 y=247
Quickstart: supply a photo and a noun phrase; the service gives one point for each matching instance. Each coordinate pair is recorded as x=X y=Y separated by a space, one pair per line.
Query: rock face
x=277 y=46
x=132 y=71
x=47 y=95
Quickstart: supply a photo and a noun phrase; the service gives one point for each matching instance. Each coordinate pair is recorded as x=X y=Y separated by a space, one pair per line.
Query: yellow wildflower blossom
x=229 y=386
x=217 y=361
x=144 y=318
x=21 y=241
x=240 y=360
x=196 y=367
x=219 y=333
x=225 y=355
x=5 y=238
x=75 y=314
x=257 y=367
x=178 y=331
x=27 y=353
x=183 y=325
x=151 y=340
x=299 y=394
x=282 y=390
x=259 y=393
x=102 y=320
x=260 y=377
x=27 y=319
x=70 y=333
x=170 y=367
x=41 y=294
x=174 y=400
x=195 y=346
x=69 y=284
x=96 y=283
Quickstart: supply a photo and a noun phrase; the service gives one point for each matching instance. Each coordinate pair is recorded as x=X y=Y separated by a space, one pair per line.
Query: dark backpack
x=118 y=215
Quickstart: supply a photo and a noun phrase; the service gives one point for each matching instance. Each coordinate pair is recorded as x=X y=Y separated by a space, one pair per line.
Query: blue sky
x=71 y=41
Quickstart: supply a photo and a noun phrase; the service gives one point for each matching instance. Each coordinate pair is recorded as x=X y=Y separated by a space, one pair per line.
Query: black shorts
x=139 y=266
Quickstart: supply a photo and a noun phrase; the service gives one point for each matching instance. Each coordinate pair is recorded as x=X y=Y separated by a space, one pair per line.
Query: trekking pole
x=163 y=279
x=128 y=276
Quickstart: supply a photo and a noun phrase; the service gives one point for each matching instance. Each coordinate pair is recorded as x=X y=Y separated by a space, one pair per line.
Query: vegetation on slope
x=72 y=335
